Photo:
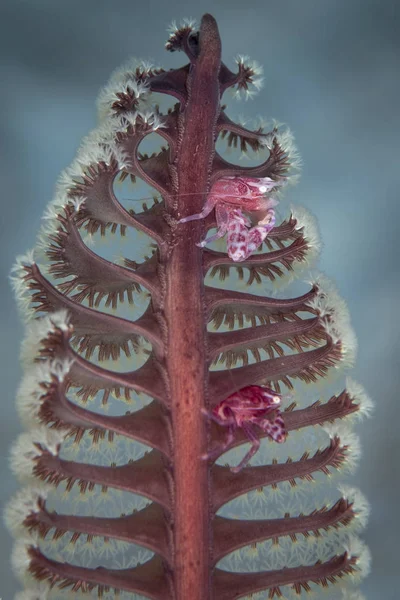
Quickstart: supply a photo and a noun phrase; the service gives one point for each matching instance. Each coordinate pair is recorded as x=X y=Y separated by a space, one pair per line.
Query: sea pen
x=198 y=344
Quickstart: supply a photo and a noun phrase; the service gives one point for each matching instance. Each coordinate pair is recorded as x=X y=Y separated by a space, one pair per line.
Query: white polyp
x=38 y=330
x=151 y=119
x=356 y=548
x=30 y=391
x=257 y=80
x=50 y=221
x=78 y=202
x=127 y=119
x=20 y=286
x=36 y=591
x=358 y=394
x=352 y=595
x=24 y=503
x=54 y=208
x=260 y=122
x=99 y=145
x=24 y=452
x=174 y=28
x=347 y=438
x=23 y=259
x=361 y=505
x=57 y=205
x=306 y=221
x=121 y=78
x=243 y=93
x=343 y=332
x=60 y=368
x=28 y=397
x=252 y=64
x=119 y=83
x=327 y=299
x=186 y=22
x=22 y=294
x=335 y=317
x=20 y=559
x=66 y=180
x=285 y=139
x=125 y=72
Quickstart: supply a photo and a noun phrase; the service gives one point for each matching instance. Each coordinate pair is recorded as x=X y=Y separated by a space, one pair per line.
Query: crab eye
x=262 y=189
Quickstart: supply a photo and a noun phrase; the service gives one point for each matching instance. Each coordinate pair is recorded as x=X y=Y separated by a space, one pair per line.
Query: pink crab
x=242 y=239
x=252 y=405
x=231 y=195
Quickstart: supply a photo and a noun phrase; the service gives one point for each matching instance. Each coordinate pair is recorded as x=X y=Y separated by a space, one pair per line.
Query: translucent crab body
x=249 y=406
x=230 y=196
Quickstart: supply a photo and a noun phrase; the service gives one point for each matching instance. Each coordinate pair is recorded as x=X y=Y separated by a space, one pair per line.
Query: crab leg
x=241 y=241
x=275 y=429
x=222 y=217
x=209 y=205
x=255 y=445
x=214 y=452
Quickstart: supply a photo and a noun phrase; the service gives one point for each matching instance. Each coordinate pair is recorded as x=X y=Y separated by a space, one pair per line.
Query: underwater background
x=331 y=74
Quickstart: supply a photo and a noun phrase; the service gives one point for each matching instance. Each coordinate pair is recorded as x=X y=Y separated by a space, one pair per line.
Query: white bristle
x=65 y=181
x=174 y=28
x=327 y=299
x=24 y=503
x=127 y=119
x=335 y=317
x=186 y=22
x=152 y=119
x=78 y=203
x=342 y=332
x=355 y=547
x=361 y=505
x=308 y=223
x=127 y=70
x=347 y=438
x=50 y=221
x=285 y=139
x=21 y=291
x=23 y=259
x=30 y=392
x=38 y=330
x=36 y=591
x=20 y=559
x=257 y=79
x=360 y=397
x=24 y=452
x=99 y=145
x=119 y=84
x=56 y=207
